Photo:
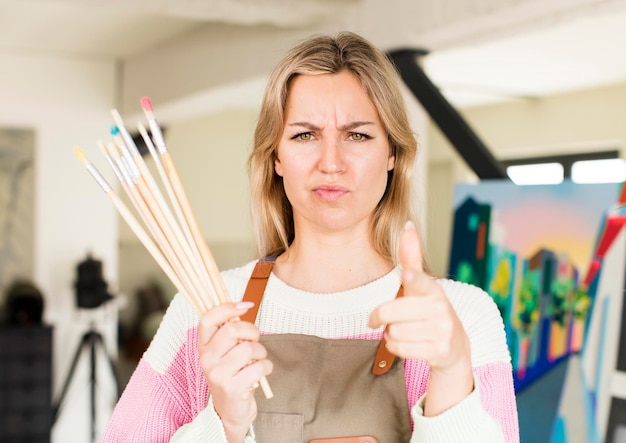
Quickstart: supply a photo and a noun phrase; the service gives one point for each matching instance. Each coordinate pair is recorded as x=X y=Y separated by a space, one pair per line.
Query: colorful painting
x=537 y=250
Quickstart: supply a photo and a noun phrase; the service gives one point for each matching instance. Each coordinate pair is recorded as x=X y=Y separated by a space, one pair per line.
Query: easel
x=90 y=340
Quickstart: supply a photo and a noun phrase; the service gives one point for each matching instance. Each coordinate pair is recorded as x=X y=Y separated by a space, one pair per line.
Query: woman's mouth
x=330 y=192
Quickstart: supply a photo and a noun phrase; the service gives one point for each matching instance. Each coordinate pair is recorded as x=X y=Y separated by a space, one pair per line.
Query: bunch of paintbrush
x=169 y=232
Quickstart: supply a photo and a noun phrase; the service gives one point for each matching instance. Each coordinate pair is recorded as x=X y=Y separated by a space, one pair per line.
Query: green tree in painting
x=526 y=306
x=499 y=289
x=561 y=290
x=581 y=303
x=465 y=272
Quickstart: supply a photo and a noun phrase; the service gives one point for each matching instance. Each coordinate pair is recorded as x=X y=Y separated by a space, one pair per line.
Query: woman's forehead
x=339 y=97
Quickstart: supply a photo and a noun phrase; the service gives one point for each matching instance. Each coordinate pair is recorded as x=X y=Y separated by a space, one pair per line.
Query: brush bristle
x=102 y=148
x=112 y=150
x=117 y=117
x=80 y=154
x=142 y=129
x=146 y=104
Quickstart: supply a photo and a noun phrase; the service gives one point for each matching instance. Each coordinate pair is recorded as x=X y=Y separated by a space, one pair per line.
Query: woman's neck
x=330 y=264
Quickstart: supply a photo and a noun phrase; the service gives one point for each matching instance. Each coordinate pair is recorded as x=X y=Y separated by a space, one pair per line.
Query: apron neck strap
x=255 y=289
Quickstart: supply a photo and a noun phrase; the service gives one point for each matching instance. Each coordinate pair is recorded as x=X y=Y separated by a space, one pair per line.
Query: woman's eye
x=358 y=136
x=303 y=136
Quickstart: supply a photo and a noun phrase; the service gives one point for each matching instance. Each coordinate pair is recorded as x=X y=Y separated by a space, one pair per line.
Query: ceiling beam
x=450 y=122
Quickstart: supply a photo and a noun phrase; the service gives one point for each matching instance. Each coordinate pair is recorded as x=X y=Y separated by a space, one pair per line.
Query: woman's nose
x=331 y=157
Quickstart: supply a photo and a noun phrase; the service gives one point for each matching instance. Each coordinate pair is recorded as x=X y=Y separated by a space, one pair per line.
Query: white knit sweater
x=170 y=370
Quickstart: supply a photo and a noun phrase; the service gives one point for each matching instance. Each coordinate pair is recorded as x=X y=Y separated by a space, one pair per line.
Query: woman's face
x=333 y=155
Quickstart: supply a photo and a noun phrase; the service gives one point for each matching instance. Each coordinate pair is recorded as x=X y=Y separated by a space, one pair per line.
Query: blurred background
x=531 y=79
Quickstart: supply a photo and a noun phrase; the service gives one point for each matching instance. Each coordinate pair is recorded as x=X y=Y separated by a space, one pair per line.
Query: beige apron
x=328 y=390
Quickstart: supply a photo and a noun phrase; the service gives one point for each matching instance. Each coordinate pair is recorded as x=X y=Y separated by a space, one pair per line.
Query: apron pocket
x=274 y=427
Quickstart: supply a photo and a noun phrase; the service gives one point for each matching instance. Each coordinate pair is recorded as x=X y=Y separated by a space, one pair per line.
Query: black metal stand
x=90 y=340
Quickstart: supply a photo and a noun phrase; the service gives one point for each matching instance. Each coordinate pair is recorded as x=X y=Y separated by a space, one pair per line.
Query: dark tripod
x=90 y=340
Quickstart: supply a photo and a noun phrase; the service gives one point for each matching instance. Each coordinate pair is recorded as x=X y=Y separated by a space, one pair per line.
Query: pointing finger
x=411 y=251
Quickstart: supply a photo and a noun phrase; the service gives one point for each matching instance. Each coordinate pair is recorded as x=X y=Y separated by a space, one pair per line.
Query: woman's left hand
x=423 y=324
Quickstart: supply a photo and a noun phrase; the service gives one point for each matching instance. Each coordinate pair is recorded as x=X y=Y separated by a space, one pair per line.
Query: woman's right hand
x=233 y=362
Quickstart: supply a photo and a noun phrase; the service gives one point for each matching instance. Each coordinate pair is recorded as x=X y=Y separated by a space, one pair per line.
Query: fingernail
x=409 y=275
x=409 y=225
x=243 y=305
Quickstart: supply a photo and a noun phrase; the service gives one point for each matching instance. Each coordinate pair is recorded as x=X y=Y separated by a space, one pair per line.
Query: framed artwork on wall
x=552 y=257
x=17 y=201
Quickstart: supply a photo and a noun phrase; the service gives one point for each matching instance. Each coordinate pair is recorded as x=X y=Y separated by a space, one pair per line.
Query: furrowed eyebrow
x=354 y=125
x=347 y=127
x=304 y=125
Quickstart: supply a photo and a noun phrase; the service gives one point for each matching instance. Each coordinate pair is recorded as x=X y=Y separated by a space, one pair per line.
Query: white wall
x=211 y=154
x=582 y=121
x=556 y=123
x=66 y=102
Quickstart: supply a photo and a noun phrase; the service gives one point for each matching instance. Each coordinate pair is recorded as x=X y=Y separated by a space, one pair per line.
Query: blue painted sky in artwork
x=503 y=193
x=564 y=217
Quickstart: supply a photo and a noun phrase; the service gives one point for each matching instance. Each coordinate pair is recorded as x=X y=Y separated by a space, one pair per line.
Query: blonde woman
x=358 y=341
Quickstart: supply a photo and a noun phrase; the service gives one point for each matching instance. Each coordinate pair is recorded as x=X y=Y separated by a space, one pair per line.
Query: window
x=610 y=170
x=594 y=167
x=536 y=174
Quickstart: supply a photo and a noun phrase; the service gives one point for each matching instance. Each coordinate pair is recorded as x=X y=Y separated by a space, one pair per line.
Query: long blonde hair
x=272 y=215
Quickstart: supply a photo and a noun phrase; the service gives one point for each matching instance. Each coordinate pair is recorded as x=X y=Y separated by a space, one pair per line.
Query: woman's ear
x=278 y=167
x=391 y=162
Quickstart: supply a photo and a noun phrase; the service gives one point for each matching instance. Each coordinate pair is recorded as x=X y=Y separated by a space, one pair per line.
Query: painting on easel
x=535 y=250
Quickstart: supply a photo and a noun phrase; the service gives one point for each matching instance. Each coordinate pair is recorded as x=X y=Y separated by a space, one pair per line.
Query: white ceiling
x=583 y=52
x=481 y=50
x=122 y=28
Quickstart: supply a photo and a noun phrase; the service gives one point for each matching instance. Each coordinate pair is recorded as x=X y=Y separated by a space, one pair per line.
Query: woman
x=341 y=270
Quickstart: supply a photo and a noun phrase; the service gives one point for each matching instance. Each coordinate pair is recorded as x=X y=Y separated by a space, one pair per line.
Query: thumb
x=411 y=252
